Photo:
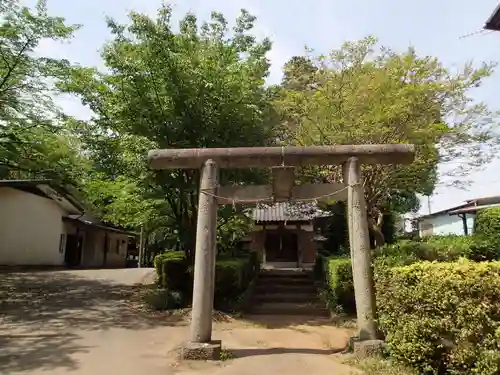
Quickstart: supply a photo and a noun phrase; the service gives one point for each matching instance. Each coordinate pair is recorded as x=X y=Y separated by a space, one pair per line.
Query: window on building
x=117 y=246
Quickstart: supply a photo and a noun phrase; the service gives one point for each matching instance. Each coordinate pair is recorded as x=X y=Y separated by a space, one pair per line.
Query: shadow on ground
x=56 y=300
x=241 y=353
x=45 y=318
x=290 y=321
x=38 y=352
x=41 y=314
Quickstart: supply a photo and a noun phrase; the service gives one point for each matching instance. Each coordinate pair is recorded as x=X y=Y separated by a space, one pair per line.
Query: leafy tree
x=298 y=73
x=33 y=141
x=198 y=87
x=364 y=96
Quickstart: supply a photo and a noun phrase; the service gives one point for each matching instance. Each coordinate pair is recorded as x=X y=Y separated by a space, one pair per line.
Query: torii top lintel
x=262 y=157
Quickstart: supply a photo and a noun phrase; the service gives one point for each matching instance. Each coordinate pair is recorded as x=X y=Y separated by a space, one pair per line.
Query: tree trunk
x=141 y=248
x=375 y=226
x=378 y=237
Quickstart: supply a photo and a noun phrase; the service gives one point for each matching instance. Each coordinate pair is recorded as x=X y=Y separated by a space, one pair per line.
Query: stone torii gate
x=283 y=161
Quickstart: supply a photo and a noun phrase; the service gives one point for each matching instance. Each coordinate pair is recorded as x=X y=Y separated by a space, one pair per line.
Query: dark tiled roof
x=286 y=211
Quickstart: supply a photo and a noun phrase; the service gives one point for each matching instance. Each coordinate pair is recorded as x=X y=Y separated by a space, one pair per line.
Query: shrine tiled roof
x=287 y=211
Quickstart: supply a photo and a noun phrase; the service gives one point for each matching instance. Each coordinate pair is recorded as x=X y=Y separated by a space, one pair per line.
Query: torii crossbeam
x=283 y=160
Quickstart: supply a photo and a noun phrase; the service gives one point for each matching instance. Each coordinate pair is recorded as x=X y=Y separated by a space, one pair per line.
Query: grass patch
x=378 y=366
x=226 y=355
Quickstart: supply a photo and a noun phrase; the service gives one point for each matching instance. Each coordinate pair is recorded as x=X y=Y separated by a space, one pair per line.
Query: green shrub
x=161 y=299
x=487 y=223
x=339 y=284
x=401 y=253
x=172 y=271
x=442 y=318
x=406 y=252
x=437 y=248
x=448 y=248
x=487 y=232
x=232 y=276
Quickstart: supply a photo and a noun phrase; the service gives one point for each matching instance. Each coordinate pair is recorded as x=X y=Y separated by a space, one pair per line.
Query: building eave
x=493 y=23
x=99 y=225
x=62 y=195
x=472 y=209
x=444 y=212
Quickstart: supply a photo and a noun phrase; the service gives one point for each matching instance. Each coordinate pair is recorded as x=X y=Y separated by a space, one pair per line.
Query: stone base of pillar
x=201 y=351
x=368 y=348
x=365 y=348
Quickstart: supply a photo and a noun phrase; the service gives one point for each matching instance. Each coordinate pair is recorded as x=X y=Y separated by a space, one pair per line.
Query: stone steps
x=274 y=289
x=292 y=281
x=286 y=292
x=277 y=273
x=289 y=308
x=285 y=297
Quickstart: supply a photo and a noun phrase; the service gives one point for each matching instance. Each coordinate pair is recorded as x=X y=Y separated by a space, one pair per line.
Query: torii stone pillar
x=361 y=259
x=205 y=252
x=210 y=160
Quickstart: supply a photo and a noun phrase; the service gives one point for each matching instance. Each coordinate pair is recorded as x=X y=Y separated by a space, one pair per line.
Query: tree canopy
x=203 y=84
x=199 y=87
x=33 y=139
x=359 y=94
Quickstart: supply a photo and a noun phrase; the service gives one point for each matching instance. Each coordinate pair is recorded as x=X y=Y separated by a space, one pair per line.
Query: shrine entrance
x=281 y=246
x=283 y=161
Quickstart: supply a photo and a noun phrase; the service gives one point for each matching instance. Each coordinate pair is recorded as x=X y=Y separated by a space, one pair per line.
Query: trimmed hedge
x=337 y=274
x=438 y=248
x=232 y=276
x=442 y=318
x=439 y=317
x=172 y=270
x=487 y=223
x=339 y=284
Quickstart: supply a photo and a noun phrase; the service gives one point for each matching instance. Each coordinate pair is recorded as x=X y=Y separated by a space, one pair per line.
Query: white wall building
x=43 y=224
x=457 y=220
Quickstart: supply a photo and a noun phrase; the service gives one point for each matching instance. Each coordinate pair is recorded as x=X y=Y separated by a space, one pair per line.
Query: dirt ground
x=90 y=322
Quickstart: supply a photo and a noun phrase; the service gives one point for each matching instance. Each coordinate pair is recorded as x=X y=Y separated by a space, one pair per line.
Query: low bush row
x=439 y=311
x=232 y=277
x=440 y=318
x=337 y=274
x=439 y=248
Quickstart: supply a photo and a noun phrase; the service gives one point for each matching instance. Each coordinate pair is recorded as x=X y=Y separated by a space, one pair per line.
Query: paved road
x=87 y=323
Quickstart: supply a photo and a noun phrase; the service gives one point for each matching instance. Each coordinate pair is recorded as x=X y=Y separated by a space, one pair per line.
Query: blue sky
x=433 y=28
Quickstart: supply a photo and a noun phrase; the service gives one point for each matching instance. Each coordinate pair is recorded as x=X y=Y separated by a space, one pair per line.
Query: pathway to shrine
x=86 y=323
